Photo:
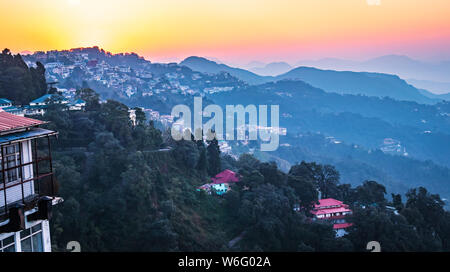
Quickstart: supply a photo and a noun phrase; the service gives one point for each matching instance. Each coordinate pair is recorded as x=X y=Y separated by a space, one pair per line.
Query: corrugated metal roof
x=47 y=97
x=9 y=122
x=342 y=225
x=5 y=101
x=225 y=176
x=331 y=210
x=328 y=202
x=29 y=134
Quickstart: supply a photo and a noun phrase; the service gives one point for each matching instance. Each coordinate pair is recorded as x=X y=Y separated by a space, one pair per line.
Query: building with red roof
x=220 y=183
x=334 y=211
x=226 y=176
x=10 y=123
x=28 y=189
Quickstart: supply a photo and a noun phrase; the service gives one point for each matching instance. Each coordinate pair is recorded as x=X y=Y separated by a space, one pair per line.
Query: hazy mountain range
x=374 y=136
x=434 y=77
x=348 y=131
x=344 y=82
x=206 y=66
x=271 y=69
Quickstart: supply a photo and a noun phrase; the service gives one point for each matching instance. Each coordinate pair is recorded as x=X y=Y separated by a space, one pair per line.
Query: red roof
x=328 y=202
x=10 y=121
x=226 y=176
x=331 y=210
x=342 y=226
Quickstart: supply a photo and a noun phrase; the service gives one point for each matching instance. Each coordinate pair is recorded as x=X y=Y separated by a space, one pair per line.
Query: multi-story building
x=335 y=212
x=28 y=188
x=6 y=105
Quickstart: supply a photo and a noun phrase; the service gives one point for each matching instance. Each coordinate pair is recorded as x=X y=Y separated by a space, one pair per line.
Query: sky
x=234 y=31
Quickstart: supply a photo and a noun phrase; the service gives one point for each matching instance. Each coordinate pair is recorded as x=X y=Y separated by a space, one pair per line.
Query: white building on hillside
x=28 y=189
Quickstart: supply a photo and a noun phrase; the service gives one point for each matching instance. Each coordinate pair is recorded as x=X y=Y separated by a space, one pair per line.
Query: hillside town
x=40 y=105
x=126 y=75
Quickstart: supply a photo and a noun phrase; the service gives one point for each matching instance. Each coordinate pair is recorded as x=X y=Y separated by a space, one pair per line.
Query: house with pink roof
x=221 y=182
x=226 y=176
x=334 y=211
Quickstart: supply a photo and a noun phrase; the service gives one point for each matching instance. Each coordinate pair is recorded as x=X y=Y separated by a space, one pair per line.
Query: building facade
x=28 y=188
x=335 y=212
x=220 y=183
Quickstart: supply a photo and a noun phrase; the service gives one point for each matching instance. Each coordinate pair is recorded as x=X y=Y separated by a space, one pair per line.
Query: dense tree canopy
x=133 y=188
x=19 y=83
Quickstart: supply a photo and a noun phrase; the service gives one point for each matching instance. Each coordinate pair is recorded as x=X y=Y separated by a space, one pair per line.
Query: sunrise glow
x=235 y=31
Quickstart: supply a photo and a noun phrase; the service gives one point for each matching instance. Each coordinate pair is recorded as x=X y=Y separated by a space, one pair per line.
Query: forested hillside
x=134 y=189
x=423 y=131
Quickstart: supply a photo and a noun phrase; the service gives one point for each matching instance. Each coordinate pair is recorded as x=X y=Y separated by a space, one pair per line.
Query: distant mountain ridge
x=345 y=82
x=437 y=88
x=204 y=65
x=435 y=96
x=370 y=84
x=271 y=69
x=400 y=65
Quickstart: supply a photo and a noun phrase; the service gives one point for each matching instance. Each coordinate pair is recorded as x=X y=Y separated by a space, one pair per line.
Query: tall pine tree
x=213 y=152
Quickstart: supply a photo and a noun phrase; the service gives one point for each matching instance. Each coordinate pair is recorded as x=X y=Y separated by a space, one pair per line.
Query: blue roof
x=29 y=134
x=5 y=101
x=46 y=97
x=11 y=109
x=35 y=107
x=78 y=101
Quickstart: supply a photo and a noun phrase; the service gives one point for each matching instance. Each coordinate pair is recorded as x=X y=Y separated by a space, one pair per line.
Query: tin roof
x=331 y=210
x=5 y=101
x=328 y=202
x=226 y=176
x=10 y=122
x=29 y=134
x=47 y=97
x=342 y=225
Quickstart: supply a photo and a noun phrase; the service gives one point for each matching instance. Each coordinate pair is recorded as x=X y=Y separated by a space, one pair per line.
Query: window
x=12 y=159
x=8 y=244
x=31 y=239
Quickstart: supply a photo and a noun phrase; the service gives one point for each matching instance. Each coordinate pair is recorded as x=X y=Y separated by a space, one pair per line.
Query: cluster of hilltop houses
x=40 y=105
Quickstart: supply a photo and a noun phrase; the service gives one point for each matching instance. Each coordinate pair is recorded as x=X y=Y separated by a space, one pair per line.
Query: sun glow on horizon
x=74 y=2
x=232 y=30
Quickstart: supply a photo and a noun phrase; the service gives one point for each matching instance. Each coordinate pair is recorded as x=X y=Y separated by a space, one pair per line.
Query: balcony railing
x=26 y=191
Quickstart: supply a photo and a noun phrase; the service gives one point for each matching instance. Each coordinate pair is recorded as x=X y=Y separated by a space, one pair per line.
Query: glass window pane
x=24 y=233
x=36 y=228
x=37 y=242
x=8 y=240
x=26 y=245
x=11 y=248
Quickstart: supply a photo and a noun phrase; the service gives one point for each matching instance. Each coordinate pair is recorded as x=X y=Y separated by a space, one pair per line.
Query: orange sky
x=232 y=30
